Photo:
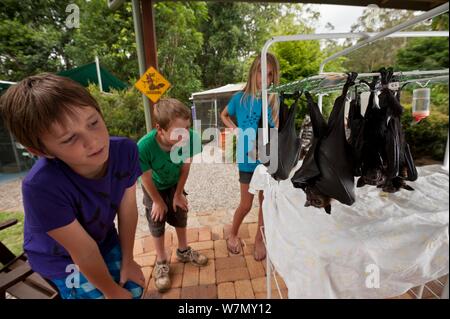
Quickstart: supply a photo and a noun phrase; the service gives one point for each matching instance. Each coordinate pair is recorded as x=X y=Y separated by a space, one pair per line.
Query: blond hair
x=168 y=110
x=251 y=88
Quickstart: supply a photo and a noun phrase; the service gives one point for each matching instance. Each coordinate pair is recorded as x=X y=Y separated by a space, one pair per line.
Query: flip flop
x=234 y=250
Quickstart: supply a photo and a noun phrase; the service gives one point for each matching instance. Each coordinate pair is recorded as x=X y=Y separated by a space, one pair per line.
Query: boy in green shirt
x=165 y=155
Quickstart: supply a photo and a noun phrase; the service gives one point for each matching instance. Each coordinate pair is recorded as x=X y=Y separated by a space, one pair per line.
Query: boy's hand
x=119 y=293
x=181 y=201
x=131 y=271
x=159 y=209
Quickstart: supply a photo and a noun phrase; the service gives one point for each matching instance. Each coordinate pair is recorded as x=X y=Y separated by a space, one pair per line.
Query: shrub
x=123 y=112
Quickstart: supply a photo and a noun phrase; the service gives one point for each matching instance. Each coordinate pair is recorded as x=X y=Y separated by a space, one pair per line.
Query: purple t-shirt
x=54 y=196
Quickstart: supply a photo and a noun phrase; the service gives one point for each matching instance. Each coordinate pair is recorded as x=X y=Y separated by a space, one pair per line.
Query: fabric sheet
x=402 y=237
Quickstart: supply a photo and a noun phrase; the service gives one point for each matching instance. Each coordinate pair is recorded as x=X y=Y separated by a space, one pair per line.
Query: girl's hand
x=181 y=201
x=159 y=209
x=131 y=271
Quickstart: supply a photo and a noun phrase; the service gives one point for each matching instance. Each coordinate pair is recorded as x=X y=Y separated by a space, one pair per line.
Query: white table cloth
x=402 y=237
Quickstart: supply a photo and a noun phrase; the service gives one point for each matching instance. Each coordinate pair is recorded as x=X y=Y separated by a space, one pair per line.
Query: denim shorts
x=86 y=290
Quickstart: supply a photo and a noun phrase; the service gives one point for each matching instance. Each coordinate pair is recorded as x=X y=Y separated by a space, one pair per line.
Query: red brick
x=244 y=289
x=220 y=248
x=225 y=290
x=148 y=244
x=152 y=292
x=176 y=268
x=275 y=294
x=145 y=260
x=208 y=253
x=208 y=274
x=243 y=231
x=226 y=231
x=168 y=239
x=252 y=229
x=249 y=249
x=255 y=268
x=147 y=271
x=204 y=234
x=259 y=284
x=230 y=262
x=192 y=235
x=232 y=274
x=199 y=292
x=190 y=275
x=217 y=232
x=173 y=293
x=138 y=247
x=202 y=245
x=176 y=280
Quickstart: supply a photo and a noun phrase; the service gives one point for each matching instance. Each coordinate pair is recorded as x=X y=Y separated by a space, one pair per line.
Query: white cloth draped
x=403 y=236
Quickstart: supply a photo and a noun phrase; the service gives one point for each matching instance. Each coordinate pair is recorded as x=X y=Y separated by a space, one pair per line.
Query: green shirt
x=165 y=171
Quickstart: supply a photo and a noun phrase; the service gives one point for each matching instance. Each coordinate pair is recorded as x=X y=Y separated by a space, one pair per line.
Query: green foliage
x=123 y=112
x=427 y=138
x=33 y=36
x=179 y=42
x=12 y=237
x=423 y=53
x=108 y=34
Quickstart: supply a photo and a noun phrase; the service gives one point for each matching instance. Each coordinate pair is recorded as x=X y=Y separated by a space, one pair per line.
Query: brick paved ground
x=226 y=276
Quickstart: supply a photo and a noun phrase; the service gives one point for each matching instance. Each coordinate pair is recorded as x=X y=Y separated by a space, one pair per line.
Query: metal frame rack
x=367 y=39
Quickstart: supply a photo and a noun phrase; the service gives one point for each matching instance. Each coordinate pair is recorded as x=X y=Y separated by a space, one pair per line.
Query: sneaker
x=192 y=256
x=162 y=279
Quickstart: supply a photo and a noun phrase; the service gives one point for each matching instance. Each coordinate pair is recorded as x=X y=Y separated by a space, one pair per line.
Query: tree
x=33 y=37
x=107 y=34
x=381 y=53
x=426 y=53
x=179 y=42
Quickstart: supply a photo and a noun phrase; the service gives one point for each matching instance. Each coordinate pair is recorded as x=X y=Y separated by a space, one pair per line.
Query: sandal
x=234 y=249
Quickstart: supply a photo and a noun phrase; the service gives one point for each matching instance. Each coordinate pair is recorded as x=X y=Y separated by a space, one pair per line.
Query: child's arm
x=159 y=208
x=226 y=118
x=86 y=255
x=179 y=199
x=127 y=217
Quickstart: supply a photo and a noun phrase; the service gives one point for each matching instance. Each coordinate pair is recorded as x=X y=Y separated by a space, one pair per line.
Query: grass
x=12 y=237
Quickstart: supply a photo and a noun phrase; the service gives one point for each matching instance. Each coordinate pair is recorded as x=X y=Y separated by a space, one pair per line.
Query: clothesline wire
x=329 y=82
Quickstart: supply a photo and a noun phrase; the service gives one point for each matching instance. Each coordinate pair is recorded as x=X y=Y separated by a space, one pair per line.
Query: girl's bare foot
x=260 y=250
x=234 y=244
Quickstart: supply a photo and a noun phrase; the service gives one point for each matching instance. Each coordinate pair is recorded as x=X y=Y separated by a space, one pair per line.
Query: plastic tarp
x=400 y=238
x=87 y=73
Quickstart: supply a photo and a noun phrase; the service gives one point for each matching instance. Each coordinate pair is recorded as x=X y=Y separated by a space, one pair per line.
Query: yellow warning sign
x=152 y=84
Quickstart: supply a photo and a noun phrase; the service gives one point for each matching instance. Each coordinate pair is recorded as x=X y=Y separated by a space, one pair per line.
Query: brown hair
x=30 y=107
x=168 y=109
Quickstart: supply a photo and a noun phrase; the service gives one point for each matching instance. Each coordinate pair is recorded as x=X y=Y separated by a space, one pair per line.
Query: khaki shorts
x=175 y=219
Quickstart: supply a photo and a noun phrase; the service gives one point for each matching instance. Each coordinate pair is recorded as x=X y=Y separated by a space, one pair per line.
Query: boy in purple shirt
x=82 y=181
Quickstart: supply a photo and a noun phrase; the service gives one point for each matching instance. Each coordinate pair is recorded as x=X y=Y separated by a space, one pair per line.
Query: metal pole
x=215 y=111
x=141 y=58
x=445 y=166
x=99 y=76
